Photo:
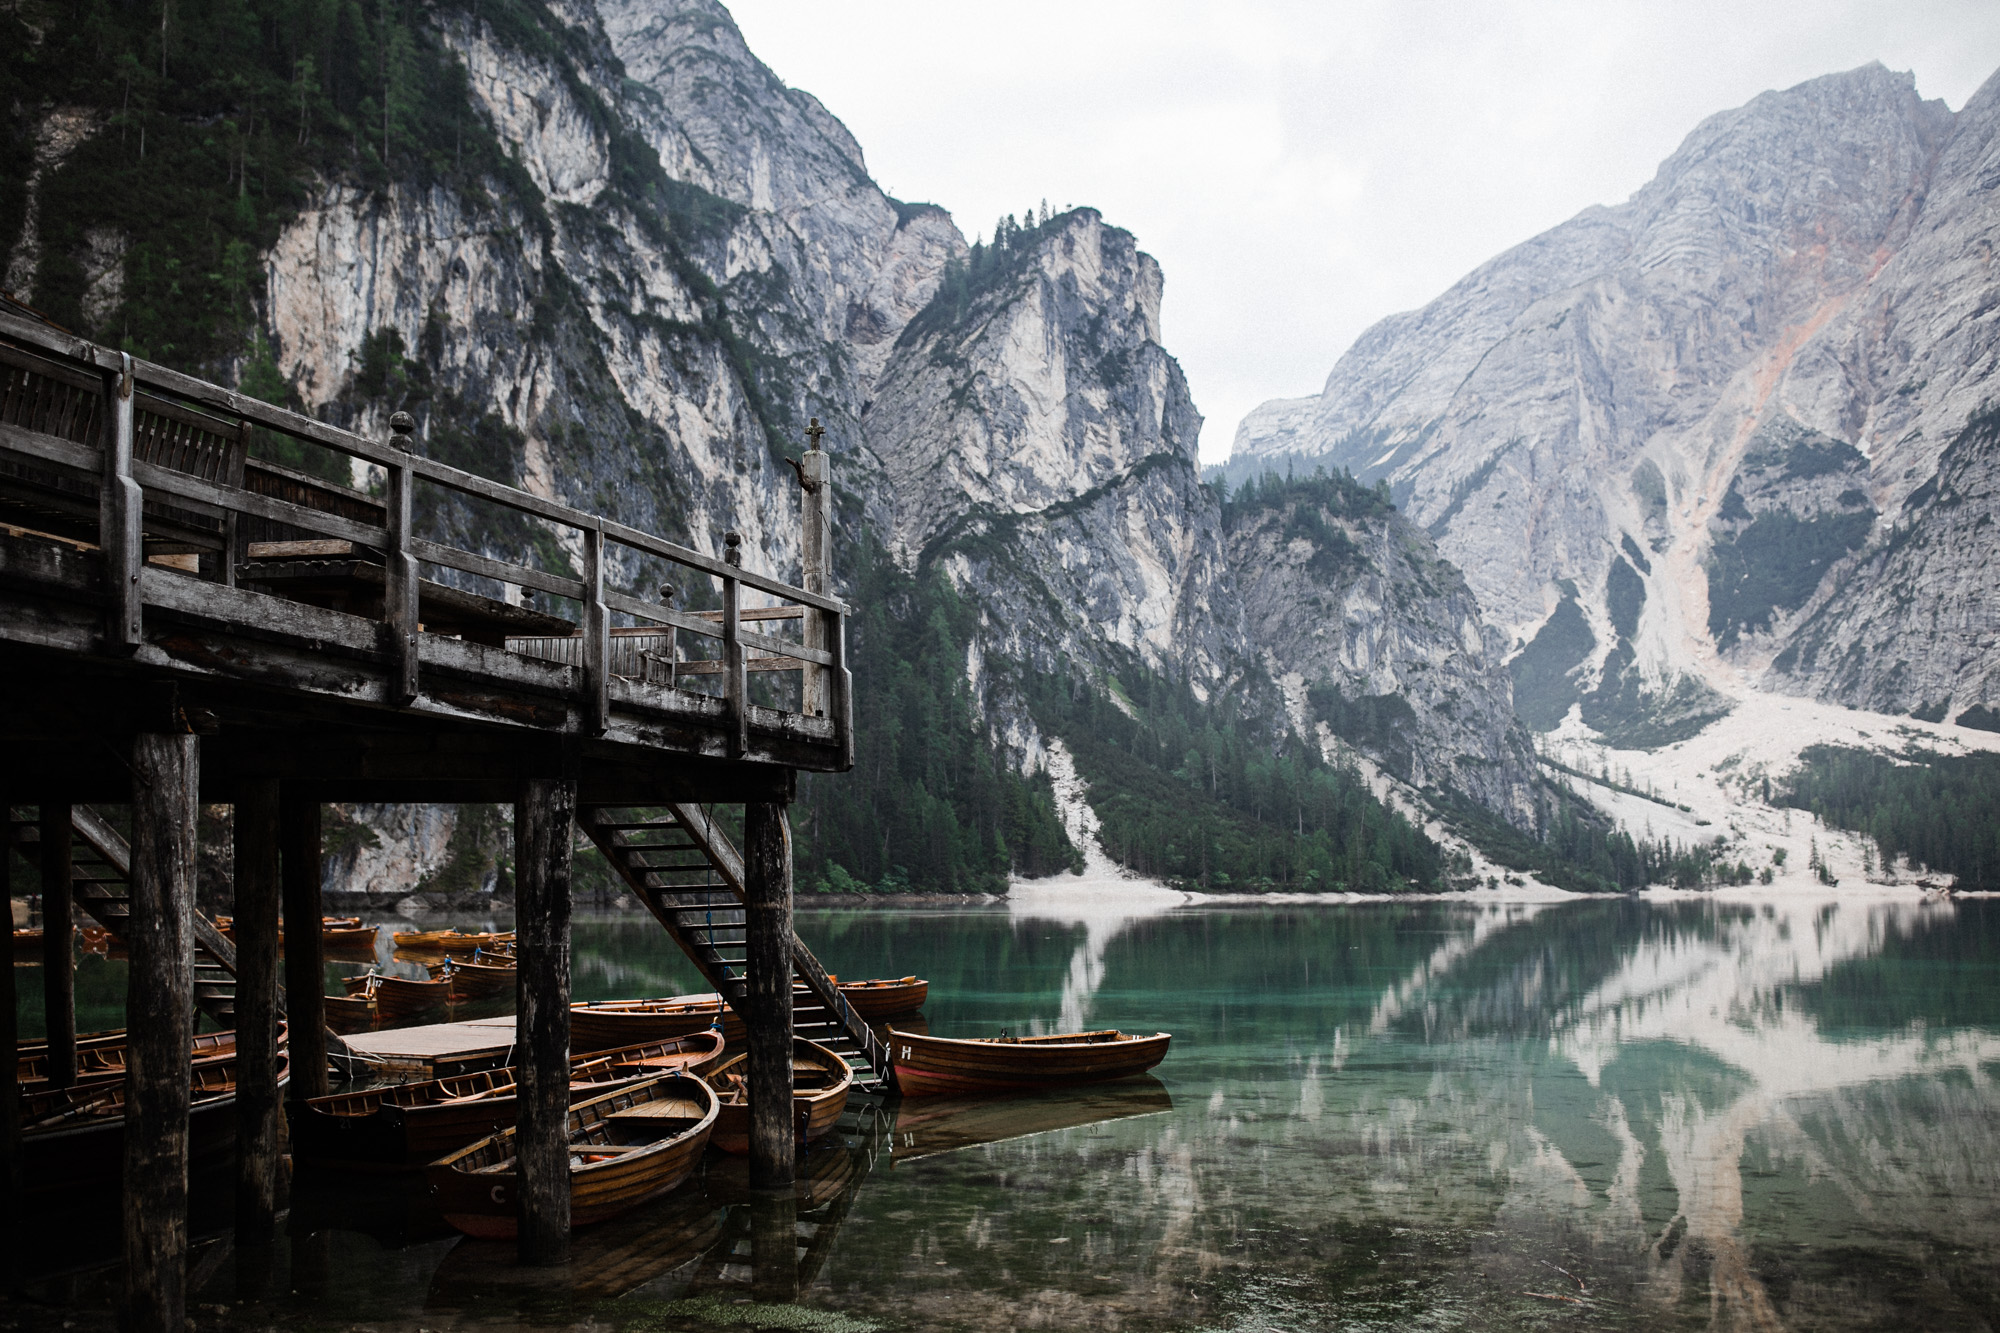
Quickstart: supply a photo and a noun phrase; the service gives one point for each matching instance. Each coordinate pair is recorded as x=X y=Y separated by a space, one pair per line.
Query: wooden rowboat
x=350 y=1013
x=102 y=1059
x=628 y=1146
x=935 y=1066
x=76 y=1136
x=602 y=1025
x=821 y=1081
x=400 y=997
x=473 y=980
x=448 y=941
x=411 y=1124
x=880 y=998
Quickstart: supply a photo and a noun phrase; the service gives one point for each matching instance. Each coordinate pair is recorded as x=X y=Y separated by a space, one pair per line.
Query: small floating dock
x=437 y=1050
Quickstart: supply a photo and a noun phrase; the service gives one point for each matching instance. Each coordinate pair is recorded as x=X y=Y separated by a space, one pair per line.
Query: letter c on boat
x=499 y=1194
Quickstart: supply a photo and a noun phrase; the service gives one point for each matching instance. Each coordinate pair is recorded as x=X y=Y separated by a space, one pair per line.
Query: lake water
x=1760 y=1114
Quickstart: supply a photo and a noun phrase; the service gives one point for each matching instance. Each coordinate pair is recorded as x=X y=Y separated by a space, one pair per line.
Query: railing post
x=735 y=685
x=596 y=635
x=842 y=703
x=816 y=568
x=121 y=516
x=399 y=590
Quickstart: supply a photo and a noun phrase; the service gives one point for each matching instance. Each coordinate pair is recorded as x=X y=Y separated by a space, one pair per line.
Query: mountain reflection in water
x=1654 y=1114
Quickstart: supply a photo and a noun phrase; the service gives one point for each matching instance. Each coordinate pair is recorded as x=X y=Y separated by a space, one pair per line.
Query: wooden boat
x=400 y=997
x=934 y=1066
x=350 y=1013
x=76 y=1136
x=880 y=998
x=821 y=1081
x=473 y=980
x=101 y=1059
x=628 y=1146
x=448 y=941
x=600 y=1025
x=412 y=1124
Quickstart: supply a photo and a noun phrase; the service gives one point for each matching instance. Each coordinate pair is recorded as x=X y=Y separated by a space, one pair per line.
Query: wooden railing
x=146 y=464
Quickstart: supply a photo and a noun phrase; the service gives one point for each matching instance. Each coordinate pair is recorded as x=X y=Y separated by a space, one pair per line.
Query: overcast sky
x=1301 y=170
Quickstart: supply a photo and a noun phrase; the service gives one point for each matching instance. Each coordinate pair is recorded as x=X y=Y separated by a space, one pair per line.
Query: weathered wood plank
x=159 y=1013
x=499 y=570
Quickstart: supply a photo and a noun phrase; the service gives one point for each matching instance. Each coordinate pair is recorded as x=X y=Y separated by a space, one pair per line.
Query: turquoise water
x=1654 y=1115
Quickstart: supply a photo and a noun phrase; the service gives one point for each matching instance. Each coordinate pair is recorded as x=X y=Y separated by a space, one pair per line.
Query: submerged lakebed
x=1651 y=1114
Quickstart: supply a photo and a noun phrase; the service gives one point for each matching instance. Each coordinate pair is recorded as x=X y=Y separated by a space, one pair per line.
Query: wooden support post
x=544 y=832
x=767 y=1003
x=735 y=685
x=305 y=966
x=815 y=567
x=13 y=1217
x=159 y=1017
x=120 y=517
x=774 y=1248
x=256 y=931
x=596 y=636
x=58 y=942
x=399 y=589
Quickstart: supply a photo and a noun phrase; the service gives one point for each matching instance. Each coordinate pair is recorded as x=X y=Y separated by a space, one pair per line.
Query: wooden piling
x=257 y=893
x=305 y=964
x=159 y=1017
x=774 y=1248
x=767 y=1005
x=544 y=831
x=12 y=1216
x=58 y=942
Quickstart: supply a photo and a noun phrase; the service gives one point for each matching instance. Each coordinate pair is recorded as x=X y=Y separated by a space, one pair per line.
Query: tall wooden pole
x=305 y=966
x=256 y=931
x=12 y=1216
x=58 y=943
x=159 y=1017
x=544 y=831
x=767 y=1005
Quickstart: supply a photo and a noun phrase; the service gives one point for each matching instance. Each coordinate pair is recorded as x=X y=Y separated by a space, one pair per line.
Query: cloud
x=1302 y=170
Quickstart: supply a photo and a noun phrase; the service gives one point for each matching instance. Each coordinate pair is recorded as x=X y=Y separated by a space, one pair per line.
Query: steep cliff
x=1353 y=608
x=601 y=251
x=1663 y=436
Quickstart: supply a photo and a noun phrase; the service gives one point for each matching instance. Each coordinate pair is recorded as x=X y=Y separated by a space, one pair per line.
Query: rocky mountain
x=600 y=250
x=1715 y=438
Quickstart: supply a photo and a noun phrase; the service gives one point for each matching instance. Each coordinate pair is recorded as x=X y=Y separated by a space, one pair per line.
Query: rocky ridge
x=1699 y=418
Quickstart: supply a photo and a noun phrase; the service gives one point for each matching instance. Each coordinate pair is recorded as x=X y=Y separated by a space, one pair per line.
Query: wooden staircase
x=100 y=873
x=690 y=876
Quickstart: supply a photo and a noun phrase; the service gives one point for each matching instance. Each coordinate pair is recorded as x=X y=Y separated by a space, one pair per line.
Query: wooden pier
x=184 y=622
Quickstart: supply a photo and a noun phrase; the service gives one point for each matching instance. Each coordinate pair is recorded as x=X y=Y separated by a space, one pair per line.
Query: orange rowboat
x=625 y=1147
x=881 y=998
x=449 y=941
x=935 y=1066
x=408 y=1125
x=821 y=1081
x=602 y=1025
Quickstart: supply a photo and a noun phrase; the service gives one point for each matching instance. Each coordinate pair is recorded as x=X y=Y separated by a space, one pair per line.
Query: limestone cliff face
x=1379 y=640
x=690 y=260
x=1041 y=444
x=1788 y=320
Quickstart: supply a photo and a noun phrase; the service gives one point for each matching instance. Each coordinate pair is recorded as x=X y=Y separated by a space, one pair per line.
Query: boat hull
x=943 y=1066
x=815 y=1110
x=881 y=999
x=368 y=1132
x=484 y=1203
x=608 y=1029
